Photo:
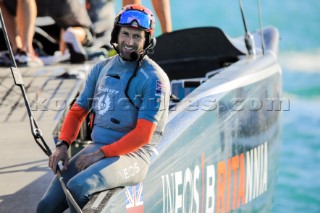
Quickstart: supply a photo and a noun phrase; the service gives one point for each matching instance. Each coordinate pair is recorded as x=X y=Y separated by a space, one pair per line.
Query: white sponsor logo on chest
x=108 y=90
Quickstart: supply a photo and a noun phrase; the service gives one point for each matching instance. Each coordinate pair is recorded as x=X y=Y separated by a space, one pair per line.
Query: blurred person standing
x=20 y=16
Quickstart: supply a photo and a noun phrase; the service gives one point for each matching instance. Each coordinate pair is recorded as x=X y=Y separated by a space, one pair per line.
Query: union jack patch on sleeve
x=159 y=88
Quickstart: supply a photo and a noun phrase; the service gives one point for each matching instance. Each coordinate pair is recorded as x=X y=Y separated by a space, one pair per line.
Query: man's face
x=130 y=40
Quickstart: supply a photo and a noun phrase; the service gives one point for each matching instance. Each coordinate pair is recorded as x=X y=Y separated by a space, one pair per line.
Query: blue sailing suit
x=115 y=116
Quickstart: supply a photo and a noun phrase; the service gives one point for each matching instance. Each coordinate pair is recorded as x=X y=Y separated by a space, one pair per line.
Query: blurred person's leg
x=8 y=12
x=125 y=2
x=74 y=37
x=26 y=17
x=62 y=44
x=163 y=11
x=72 y=16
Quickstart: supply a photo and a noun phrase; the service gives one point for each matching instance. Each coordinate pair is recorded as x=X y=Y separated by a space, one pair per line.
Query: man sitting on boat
x=129 y=96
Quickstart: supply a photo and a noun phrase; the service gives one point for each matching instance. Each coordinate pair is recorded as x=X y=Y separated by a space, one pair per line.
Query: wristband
x=60 y=143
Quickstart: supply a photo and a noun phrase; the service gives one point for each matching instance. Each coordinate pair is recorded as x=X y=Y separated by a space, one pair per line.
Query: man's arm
x=69 y=131
x=135 y=139
x=72 y=123
x=132 y=141
x=80 y=109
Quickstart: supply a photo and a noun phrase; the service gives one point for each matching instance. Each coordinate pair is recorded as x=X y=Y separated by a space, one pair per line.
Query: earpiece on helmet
x=114 y=35
x=153 y=42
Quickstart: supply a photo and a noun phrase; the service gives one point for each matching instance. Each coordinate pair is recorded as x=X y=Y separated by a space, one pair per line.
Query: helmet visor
x=128 y=17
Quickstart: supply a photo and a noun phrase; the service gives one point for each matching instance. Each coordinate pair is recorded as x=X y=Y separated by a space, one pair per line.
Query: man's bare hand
x=86 y=160
x=60 y=154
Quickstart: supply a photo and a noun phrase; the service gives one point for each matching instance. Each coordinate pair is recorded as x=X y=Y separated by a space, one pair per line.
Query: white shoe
x=77 y=52
x=56 y=58
x=24 y=59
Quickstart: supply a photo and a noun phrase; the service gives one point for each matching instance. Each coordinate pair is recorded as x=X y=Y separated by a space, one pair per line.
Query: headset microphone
x=134 y=56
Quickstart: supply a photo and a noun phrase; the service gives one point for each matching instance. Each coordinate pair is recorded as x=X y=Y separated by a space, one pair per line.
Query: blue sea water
x=298 y=187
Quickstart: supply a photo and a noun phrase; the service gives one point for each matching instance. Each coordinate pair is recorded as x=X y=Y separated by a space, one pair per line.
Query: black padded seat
x=191 y=53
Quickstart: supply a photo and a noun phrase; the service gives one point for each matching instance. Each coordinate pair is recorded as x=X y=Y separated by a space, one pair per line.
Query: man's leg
x=54 y=200
x=108 y=173
x=126 y=170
